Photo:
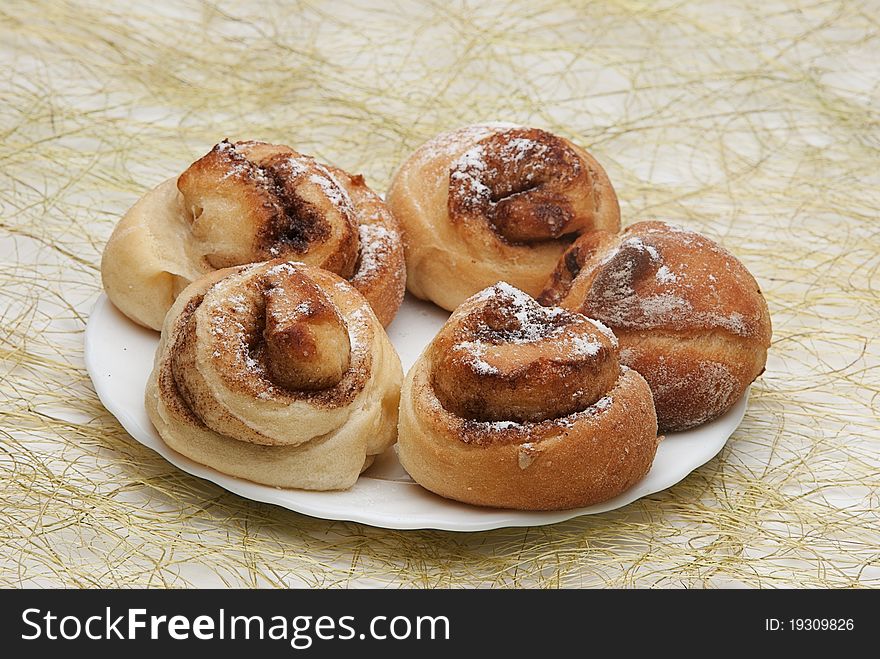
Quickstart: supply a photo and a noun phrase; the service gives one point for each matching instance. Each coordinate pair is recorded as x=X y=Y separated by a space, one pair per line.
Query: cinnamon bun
x=279 y=373
x=495 y=201
x=689 y=316
x=247 y=202
x=515 y=405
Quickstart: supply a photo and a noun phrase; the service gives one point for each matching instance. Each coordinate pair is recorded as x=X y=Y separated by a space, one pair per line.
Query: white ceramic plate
x=119 y=356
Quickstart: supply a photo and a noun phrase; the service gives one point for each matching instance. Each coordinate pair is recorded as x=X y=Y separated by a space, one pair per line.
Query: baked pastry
x=276 y=372
x=495 y=202
x=515 y=405
x=248 y=202
x=689 y=316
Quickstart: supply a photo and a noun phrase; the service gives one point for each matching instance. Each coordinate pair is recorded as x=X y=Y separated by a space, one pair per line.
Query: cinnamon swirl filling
x=516 y=405
x=252 y=201
x=505 y=357
x=526 y=184
x=248 y=202
x=268 y=334
x=276 y=372
x=495 y=202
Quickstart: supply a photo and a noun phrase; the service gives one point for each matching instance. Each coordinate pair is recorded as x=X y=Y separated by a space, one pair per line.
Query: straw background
x=757 y=123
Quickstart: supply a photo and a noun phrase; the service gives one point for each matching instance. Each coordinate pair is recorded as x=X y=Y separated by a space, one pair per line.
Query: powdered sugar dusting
x=531 y=323
x=665 y=275
x=534 y=321
x=228 y=330
x=358 y=327
x=331 y=187
x=602 y=327
x=476 y=431
x=218 y=326
x=377 y=242
x=287 y=268
x=469 y=169
x=636 y=243
x=445 y=144
x=293 y=166
x=238 y=166
x=664 y=305
x=585 y=345
x=501 y=425
x=238 y=303
x=474 y=352
x=666 y=302
x=520 y=148
x=712 y=383
x=285 y=313
x=473 y=169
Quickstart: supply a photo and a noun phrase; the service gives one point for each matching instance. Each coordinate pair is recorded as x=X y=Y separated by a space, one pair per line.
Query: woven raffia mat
x=758 y=125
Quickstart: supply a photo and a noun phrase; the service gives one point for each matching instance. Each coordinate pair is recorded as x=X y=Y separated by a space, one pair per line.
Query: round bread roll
x=277 y=372
x=689 y=316
x=515 y=405
x=248 y=202
x=495 y=202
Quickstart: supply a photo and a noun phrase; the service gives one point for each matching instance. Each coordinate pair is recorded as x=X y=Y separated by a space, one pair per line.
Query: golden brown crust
x=571 y=436
x=495 y=202
x=249 y=202
x=689 y=316
x=562 y=280
x=380 y=272
x=275 y=358
x=502 y=356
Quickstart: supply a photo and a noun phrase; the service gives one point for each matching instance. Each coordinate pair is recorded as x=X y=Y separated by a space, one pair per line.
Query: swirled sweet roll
x=247 y=202
x=279 y=373
x=688 y=314
x=495 y=202
x=515 y=405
